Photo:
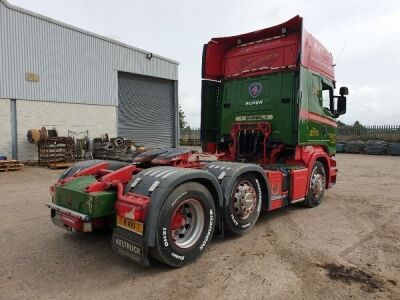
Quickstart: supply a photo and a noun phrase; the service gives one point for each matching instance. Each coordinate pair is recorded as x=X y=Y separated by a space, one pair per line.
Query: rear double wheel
x=244 y=205
x=185 y=225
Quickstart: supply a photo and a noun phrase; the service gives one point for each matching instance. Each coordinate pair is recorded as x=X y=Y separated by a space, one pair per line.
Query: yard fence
x=190 y=137
x=387 y=133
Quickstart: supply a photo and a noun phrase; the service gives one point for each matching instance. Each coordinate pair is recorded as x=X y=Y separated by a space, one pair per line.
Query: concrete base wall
x=63 y=116
x=5 y=128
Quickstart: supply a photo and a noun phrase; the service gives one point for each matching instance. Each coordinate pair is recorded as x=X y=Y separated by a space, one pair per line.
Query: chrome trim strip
x=297 y=200
x=67 y=211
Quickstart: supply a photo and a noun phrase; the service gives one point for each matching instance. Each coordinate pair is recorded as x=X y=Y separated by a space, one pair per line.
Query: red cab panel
x=299 y=183
x=275 y=179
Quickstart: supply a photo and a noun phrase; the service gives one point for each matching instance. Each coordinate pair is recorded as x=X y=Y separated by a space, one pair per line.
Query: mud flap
x=130 y=245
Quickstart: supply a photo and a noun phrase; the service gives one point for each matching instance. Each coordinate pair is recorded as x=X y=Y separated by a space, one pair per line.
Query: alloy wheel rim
x=244 y=200
x=317 y=183
x=187 y=223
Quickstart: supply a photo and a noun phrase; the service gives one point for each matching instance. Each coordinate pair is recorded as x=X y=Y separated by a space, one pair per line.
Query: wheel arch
x=265 y=188
x=214 y=190
x=325 y=163
x=233 y=171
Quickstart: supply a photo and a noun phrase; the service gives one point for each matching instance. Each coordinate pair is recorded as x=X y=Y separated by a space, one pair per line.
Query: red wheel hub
x=177 y=220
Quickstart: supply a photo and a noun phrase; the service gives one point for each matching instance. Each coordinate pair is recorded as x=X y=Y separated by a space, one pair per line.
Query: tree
x=357 y=124
x=340 y=124
x=182 y=122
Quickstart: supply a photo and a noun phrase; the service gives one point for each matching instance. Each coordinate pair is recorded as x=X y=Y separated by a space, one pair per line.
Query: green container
x=72 y=195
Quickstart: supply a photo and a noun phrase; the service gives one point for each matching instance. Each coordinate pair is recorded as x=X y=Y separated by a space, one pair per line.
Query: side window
x=327 y=97
x=316 y=89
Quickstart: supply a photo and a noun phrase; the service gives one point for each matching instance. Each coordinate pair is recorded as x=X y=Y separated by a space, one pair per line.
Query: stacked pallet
x=55 y=149
x=10 y=165
x=60 y=164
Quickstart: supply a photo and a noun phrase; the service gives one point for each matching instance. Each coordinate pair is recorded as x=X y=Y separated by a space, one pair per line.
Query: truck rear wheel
x=317 y=185
x=244 y=205
x=185 y=225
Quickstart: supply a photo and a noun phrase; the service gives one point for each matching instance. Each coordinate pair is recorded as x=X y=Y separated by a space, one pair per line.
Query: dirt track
x=283 y=257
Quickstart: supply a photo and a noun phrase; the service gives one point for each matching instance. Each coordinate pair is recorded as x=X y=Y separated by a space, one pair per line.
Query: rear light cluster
x=132 y=206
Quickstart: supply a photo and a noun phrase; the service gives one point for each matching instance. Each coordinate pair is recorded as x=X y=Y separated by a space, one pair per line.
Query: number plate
x=56 y=219
x=129 y=224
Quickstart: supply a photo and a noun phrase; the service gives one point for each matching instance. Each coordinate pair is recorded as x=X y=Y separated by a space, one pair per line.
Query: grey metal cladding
x=73 y=65
x=146 y=110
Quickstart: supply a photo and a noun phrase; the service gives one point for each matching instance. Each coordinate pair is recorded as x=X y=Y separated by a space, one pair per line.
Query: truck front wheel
x=244 y=205
x=317 y=185
x=185 y=225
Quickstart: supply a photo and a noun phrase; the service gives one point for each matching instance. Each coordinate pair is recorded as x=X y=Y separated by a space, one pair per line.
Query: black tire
x=317 y=186
x=193 y=203
x=238 y=219
x=113 y=165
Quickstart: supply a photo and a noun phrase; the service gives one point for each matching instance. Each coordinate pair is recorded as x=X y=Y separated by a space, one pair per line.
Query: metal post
x=176 y=127
x=14 y=137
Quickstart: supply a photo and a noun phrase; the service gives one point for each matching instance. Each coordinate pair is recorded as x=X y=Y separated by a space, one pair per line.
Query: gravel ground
x=348 y=247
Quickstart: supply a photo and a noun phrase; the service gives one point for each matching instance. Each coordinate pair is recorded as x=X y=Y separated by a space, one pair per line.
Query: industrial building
x=57 y=75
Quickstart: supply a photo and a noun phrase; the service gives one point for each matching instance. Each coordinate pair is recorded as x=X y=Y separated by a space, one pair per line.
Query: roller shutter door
x=146 y=110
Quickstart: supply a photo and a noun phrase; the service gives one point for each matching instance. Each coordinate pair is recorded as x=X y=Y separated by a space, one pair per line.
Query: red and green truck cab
x=268 y=114
x=281 y=75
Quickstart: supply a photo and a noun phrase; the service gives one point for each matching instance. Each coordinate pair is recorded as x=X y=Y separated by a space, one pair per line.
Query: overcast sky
x=363 y=36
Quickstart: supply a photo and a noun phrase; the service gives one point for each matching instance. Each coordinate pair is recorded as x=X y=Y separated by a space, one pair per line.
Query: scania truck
x=268 y=134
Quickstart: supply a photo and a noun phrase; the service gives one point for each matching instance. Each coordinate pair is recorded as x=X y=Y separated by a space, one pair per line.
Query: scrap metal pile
x=53 y=148
x=117 y=148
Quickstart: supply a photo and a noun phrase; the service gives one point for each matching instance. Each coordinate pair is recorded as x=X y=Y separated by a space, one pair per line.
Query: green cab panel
x=72 y=196
x=291 y=101
x=267 y=98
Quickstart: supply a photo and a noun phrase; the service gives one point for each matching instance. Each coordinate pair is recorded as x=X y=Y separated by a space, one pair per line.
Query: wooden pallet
x=32 y=163
x=59 y=164
x=10 y=165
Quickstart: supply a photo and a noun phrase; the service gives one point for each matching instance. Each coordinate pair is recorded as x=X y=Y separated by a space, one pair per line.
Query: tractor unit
x=268 y=134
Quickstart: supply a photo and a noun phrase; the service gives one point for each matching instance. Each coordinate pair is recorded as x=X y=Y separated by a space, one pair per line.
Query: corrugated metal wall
x=73 y=66
x=146 y=110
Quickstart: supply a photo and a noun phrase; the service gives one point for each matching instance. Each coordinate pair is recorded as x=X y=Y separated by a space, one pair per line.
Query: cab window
x=327 y=97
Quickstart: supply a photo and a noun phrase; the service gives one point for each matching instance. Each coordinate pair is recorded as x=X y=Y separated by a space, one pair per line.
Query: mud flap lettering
x=129 y=247
x=134 y=248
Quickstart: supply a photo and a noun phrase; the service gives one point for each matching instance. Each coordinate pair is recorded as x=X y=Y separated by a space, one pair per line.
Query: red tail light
x=138 y=214
x=132 y=206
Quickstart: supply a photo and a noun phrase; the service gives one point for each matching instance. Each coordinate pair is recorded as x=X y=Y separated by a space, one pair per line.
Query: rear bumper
x=72 y=220
x=130 y=245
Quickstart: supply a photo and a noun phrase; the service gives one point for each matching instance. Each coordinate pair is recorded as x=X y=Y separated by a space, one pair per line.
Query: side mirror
x=341 y=105
x=343 y=91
